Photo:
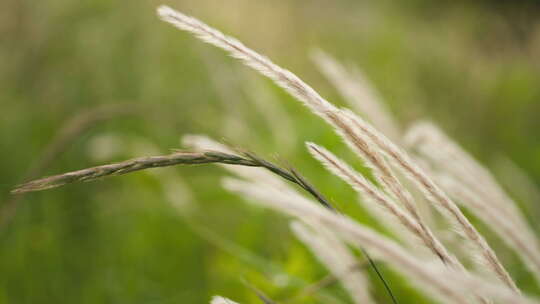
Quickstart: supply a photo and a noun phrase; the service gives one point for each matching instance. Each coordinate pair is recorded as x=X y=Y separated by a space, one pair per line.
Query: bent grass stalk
x=179 y=158
x=183 y=158
x=128 y=166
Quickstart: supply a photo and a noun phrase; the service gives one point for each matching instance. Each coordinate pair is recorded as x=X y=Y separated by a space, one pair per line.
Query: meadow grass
x=436 y=173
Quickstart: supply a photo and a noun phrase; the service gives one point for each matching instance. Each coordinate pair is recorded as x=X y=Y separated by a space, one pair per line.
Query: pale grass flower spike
x=370 y=143
x=475 y=188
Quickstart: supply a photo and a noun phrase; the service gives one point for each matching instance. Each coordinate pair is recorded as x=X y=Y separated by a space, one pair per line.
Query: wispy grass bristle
x=475 y=188
x=366 y=188
x=336 y=256
x=436 y=196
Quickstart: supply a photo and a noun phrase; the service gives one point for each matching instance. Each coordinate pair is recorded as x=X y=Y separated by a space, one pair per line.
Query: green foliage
x=120 y=240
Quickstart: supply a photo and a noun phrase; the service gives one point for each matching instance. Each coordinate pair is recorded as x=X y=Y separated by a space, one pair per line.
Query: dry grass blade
x=179 y=158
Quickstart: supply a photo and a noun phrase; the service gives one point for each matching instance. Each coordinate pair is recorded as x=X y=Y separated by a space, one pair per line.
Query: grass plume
x=474 y=187
x=365 y=187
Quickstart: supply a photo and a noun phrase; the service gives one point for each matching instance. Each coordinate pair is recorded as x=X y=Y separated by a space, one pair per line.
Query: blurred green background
x=173 y=235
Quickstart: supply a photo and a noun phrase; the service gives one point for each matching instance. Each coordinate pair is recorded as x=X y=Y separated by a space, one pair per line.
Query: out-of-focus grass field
x=173 y=235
